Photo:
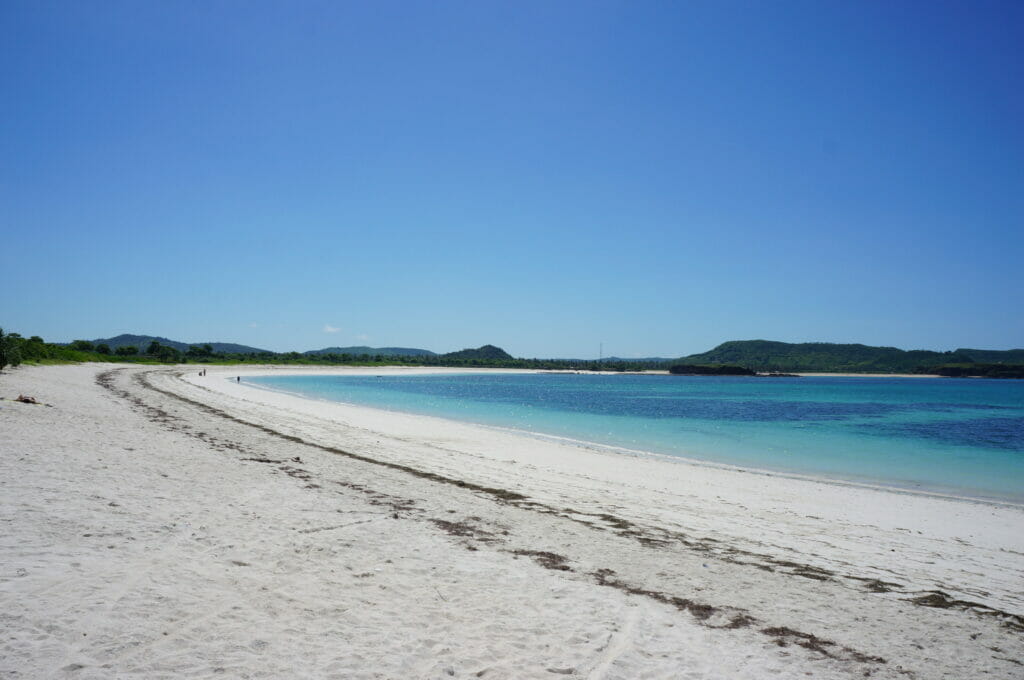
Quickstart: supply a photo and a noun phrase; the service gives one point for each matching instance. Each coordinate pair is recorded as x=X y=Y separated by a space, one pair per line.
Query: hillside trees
x=168 y=354
x=200 y=351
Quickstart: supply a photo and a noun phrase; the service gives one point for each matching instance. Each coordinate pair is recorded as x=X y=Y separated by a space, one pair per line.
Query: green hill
x=767 y=355
x=487 y=352
x=142 y=342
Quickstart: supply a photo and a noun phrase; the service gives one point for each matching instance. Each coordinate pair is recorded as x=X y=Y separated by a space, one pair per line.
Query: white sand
x=150 y=536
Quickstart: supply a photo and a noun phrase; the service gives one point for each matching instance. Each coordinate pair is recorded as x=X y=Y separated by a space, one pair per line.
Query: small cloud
x=328 y=328
x=363 y=336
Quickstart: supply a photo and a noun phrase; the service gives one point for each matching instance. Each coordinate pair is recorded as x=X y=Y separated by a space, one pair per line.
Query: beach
x=158 y=523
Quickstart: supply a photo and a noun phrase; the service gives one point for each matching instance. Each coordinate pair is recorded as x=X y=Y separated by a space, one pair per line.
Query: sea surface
x=958 y=436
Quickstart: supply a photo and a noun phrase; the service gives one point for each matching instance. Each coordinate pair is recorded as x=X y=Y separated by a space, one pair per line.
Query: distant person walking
x=238 y=379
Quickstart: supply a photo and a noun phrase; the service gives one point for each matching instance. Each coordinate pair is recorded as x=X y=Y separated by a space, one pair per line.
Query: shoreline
x=894 y=486
x=605 y=466
x=198 y=527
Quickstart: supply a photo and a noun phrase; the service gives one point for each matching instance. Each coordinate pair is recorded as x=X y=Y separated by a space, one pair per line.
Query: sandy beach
x=160 y=524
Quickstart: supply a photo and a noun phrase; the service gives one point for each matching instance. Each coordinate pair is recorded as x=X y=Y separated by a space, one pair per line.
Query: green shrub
x=10 y=349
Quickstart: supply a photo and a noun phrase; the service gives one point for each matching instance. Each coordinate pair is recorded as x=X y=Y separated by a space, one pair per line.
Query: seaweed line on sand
x=649 y=537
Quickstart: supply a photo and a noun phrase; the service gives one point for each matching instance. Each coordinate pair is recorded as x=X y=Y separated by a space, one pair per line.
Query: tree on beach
x=154 y=348
x=127 y=350
x=82 y=346
x=10 y=350
x=103 y=348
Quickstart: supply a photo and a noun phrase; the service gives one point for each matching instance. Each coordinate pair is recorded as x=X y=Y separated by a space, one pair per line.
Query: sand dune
x=155 y=526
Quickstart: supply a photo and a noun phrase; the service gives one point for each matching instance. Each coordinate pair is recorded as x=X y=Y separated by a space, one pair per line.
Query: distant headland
x=737 y=357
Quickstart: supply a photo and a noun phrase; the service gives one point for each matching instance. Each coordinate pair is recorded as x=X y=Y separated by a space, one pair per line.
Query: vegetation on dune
x=10 y=353
x=14 y=349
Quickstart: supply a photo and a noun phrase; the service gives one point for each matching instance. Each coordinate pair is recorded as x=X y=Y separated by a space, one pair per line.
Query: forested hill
x=487 y=352
x=995 y=356
x=767 y=355
x=142 y=342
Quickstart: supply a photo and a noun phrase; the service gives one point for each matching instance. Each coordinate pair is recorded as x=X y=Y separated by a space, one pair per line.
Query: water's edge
x=890 y=486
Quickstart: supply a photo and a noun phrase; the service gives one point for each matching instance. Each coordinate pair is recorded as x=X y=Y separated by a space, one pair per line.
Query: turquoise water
x=956 y=436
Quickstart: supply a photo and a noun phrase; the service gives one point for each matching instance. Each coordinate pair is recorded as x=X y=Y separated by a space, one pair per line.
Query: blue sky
x=544 y=176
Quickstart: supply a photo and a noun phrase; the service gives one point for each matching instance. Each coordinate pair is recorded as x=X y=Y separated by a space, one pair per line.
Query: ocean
x=956 y=436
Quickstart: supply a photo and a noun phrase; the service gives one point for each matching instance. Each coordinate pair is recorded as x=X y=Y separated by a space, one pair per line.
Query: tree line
x=14 y=349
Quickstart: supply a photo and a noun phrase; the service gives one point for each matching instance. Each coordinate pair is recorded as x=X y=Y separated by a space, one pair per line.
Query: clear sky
x=545 y=176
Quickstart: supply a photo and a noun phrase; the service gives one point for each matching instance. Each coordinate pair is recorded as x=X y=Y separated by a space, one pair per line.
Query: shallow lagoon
x=955 y=436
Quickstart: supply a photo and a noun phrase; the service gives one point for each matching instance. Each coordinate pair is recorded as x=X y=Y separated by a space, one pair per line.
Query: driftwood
x=26 y=400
